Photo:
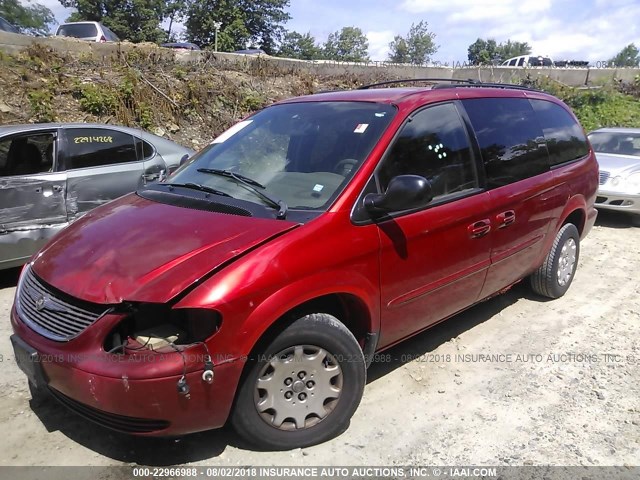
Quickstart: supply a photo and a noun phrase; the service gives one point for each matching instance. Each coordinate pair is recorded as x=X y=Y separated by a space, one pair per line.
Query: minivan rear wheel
x=303 y=388
x=555 y=275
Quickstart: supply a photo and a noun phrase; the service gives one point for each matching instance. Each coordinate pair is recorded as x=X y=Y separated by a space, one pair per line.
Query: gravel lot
x=513 y=381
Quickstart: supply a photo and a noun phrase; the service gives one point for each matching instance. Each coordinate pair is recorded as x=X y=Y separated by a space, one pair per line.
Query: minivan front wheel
x=555 y=275
x=304 y=388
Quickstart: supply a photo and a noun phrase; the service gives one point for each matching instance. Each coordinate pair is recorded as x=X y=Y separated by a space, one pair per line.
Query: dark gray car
x=7 y=27
x=50 y=174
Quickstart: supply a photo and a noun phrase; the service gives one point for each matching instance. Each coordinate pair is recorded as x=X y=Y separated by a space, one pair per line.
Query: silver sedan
x=618 y=154
x=51 y=174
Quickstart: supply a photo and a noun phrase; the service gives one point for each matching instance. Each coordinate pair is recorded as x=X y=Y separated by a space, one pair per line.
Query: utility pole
x=217 y=26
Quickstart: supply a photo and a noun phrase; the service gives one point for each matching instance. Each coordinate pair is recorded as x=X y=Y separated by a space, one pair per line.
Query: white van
x=91 y=31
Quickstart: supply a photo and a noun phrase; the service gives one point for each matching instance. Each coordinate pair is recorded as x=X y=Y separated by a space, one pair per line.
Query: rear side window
x=433 y=144
x=510 y=139
x=565 y=138
x=78 y=30
x=95 y=147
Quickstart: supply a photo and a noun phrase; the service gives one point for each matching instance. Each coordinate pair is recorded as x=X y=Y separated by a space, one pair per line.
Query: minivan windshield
x=302 y=154
x=621 y=143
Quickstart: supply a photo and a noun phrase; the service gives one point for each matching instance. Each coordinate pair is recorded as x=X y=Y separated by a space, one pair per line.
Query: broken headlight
x=156 y=326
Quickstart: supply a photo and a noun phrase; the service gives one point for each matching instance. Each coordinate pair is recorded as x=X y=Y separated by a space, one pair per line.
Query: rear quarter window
x=565 y=138
x=511 y=141
x=144 y=150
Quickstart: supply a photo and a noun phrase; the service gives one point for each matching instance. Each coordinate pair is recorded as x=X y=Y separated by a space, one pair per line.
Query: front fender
x=246 y=319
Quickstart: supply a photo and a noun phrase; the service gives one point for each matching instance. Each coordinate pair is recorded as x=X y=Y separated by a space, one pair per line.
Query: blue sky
x=593 y=30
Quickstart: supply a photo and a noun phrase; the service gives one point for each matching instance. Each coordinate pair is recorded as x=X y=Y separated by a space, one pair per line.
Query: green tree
x=482 y=52
x=420 y=43
x=297 y=45
x=242 y=22
x=416 y=48
x=511 y=49
x=133 y=20
x=347 y=45
x=399 y=50
x=32 y=18
x=629 y=56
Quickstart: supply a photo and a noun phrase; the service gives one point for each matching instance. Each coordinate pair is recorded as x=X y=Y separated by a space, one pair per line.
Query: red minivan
x=256 y=284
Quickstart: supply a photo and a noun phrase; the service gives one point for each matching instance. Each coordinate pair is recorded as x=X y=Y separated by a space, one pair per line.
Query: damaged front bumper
x=136 y=394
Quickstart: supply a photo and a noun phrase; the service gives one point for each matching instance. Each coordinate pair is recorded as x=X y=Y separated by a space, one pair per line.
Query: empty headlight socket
x=157 y=325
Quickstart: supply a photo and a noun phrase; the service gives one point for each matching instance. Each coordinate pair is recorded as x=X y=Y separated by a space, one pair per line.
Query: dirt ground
x=513 y=381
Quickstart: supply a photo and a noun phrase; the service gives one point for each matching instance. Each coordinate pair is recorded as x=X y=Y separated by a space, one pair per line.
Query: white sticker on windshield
x=361 y=128
x=227 y=134
x=318 y=188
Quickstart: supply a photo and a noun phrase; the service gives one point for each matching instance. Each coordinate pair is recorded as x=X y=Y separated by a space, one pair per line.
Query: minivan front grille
x=48 y=314
x=604 y=176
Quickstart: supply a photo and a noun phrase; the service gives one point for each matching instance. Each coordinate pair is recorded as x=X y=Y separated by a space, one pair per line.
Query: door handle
x=505 y=219
x=479 y=228
x=57 y=188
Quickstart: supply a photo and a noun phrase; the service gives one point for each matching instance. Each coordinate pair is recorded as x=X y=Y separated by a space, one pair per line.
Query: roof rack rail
x=410 y=80
x=453 y=83
x=489 y=85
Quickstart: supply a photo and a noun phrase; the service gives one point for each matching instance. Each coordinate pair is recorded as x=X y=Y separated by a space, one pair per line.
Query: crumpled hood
x=139 y=250
x=617 y=164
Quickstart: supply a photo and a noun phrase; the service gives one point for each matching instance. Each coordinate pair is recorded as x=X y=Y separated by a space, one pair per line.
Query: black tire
x=545 y=281
x=327 y=342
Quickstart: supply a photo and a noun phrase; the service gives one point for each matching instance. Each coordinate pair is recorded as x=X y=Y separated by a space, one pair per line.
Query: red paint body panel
x=325 y=256
x=123 y=386
x=150 y=260
x=404 y=274
x=430 y=266
x=516 y=247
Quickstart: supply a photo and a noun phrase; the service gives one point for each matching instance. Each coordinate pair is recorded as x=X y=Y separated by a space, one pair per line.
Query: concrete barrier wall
x=13 y=43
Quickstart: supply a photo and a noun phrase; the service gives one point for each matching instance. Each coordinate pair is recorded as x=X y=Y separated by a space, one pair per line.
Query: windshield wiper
x=195 y=186
x=228 y=173
x=251 y=185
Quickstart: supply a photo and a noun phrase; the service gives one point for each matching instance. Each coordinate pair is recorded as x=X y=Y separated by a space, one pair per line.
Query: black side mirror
x=403 y=193
x=184 y=159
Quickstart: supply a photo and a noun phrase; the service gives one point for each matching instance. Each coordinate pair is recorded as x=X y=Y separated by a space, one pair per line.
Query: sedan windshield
x=299 y=155
x=622 y=143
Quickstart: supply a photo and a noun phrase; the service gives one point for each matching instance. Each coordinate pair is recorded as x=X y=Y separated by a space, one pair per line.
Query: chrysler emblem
x=40 y=301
